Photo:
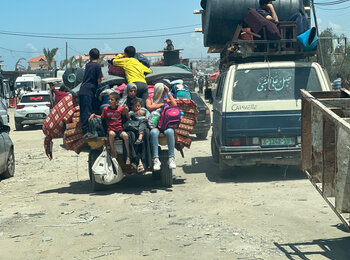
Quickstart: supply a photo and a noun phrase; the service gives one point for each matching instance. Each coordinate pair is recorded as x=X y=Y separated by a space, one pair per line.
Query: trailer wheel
x=93 y=154
x=156 y=175
x=166 y=174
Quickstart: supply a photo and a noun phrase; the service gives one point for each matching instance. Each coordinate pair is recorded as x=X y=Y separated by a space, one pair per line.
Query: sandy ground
x=47 y=211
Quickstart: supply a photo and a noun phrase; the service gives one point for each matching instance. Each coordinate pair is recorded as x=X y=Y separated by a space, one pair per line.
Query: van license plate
x=277 y=141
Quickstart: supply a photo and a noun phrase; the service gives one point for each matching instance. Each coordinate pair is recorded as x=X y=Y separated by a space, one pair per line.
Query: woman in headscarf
x=139 y=151
x=153 y=104
x=129 y=95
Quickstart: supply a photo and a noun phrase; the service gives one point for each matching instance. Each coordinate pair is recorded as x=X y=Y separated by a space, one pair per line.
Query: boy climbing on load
x=113 y=115
x=92 y=78
x=134 y=71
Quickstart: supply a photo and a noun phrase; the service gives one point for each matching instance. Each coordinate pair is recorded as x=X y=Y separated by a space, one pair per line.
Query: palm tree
x=79 y=62
x=18 y=65
x=63 y=63
x=71 y=62
x=49 y=55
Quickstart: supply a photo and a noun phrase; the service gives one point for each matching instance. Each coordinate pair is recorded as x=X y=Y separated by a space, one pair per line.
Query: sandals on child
x=140 y=168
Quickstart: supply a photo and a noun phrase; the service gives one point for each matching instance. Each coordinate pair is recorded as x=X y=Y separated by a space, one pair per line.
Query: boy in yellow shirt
x=134 y=71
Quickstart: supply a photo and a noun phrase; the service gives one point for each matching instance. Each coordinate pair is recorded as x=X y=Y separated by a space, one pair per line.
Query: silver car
x=7 y=157
x=33 y=108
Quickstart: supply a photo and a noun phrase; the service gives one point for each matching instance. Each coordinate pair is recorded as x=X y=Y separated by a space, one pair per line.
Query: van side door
x=218 y=109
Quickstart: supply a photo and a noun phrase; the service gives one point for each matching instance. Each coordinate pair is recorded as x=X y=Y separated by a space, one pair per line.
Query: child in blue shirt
x=92 y=78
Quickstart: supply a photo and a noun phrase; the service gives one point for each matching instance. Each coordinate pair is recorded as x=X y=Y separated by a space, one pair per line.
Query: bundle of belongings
x=188 y=120
x=65 y=113
x=257 y=22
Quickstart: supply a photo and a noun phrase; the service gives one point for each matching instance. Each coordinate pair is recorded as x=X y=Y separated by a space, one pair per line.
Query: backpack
x=142 y=58
x=169 y=118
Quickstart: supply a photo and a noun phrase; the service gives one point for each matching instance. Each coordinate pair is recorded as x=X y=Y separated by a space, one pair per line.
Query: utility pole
x=66 y=55
x=1 y=61
x=319 y=49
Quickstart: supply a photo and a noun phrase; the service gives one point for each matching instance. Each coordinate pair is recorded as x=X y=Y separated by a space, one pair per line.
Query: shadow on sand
x=337 y=248
x=260 y=173
x=133 y=184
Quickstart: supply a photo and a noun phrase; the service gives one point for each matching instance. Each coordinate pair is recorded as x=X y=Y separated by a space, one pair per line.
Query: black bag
x=96 y=127
x=131 y=125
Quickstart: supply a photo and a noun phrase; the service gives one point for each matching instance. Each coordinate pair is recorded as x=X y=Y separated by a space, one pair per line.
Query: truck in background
x=28 y=81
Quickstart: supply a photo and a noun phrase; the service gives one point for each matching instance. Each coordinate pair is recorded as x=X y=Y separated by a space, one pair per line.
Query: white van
x=28 y=81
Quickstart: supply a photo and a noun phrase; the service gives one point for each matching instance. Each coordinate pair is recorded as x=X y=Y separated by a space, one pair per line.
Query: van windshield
x=274 y=83
x=25 y=84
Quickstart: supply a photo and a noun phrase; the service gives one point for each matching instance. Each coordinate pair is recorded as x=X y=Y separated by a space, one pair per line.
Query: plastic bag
x=106 y=170
x=154 y=118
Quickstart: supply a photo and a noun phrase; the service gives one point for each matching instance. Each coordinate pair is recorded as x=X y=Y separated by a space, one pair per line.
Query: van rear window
x=35 y=98
x=274 y=83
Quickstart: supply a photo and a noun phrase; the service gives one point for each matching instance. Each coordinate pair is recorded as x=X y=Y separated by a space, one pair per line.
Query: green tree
x=49 y=55
x=334 y=52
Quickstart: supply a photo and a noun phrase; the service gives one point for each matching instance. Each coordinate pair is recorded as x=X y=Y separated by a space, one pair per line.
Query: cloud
x=335 y=27
x=31 y=47
x=192 y=46
x=319 y=21
x=107 y=48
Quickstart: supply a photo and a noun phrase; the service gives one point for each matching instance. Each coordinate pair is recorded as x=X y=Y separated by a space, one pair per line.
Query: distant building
x=37 y=63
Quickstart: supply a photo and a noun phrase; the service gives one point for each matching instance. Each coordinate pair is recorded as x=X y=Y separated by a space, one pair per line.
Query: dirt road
x=47 y=211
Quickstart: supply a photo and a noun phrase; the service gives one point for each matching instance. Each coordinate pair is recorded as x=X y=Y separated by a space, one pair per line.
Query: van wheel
x=202 y=136
x=93 y=154
x=18 y=126
x=10 y=167
x=166 y=174
x=214 y=150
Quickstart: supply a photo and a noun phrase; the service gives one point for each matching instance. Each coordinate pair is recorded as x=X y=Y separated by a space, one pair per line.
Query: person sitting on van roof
x=267 y=10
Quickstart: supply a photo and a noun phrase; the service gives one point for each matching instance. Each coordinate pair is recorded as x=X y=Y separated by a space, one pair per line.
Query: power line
x=111 y=33
x=92 y=38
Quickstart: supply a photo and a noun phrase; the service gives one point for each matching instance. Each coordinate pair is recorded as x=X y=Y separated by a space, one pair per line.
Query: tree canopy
x=49 y=55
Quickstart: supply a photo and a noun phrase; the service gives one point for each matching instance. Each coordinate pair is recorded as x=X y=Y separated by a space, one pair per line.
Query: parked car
x=7 y=158
x=202 y=127
x=33 y=108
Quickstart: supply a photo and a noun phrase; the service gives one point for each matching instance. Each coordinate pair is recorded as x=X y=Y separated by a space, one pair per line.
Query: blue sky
x=112 y=16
